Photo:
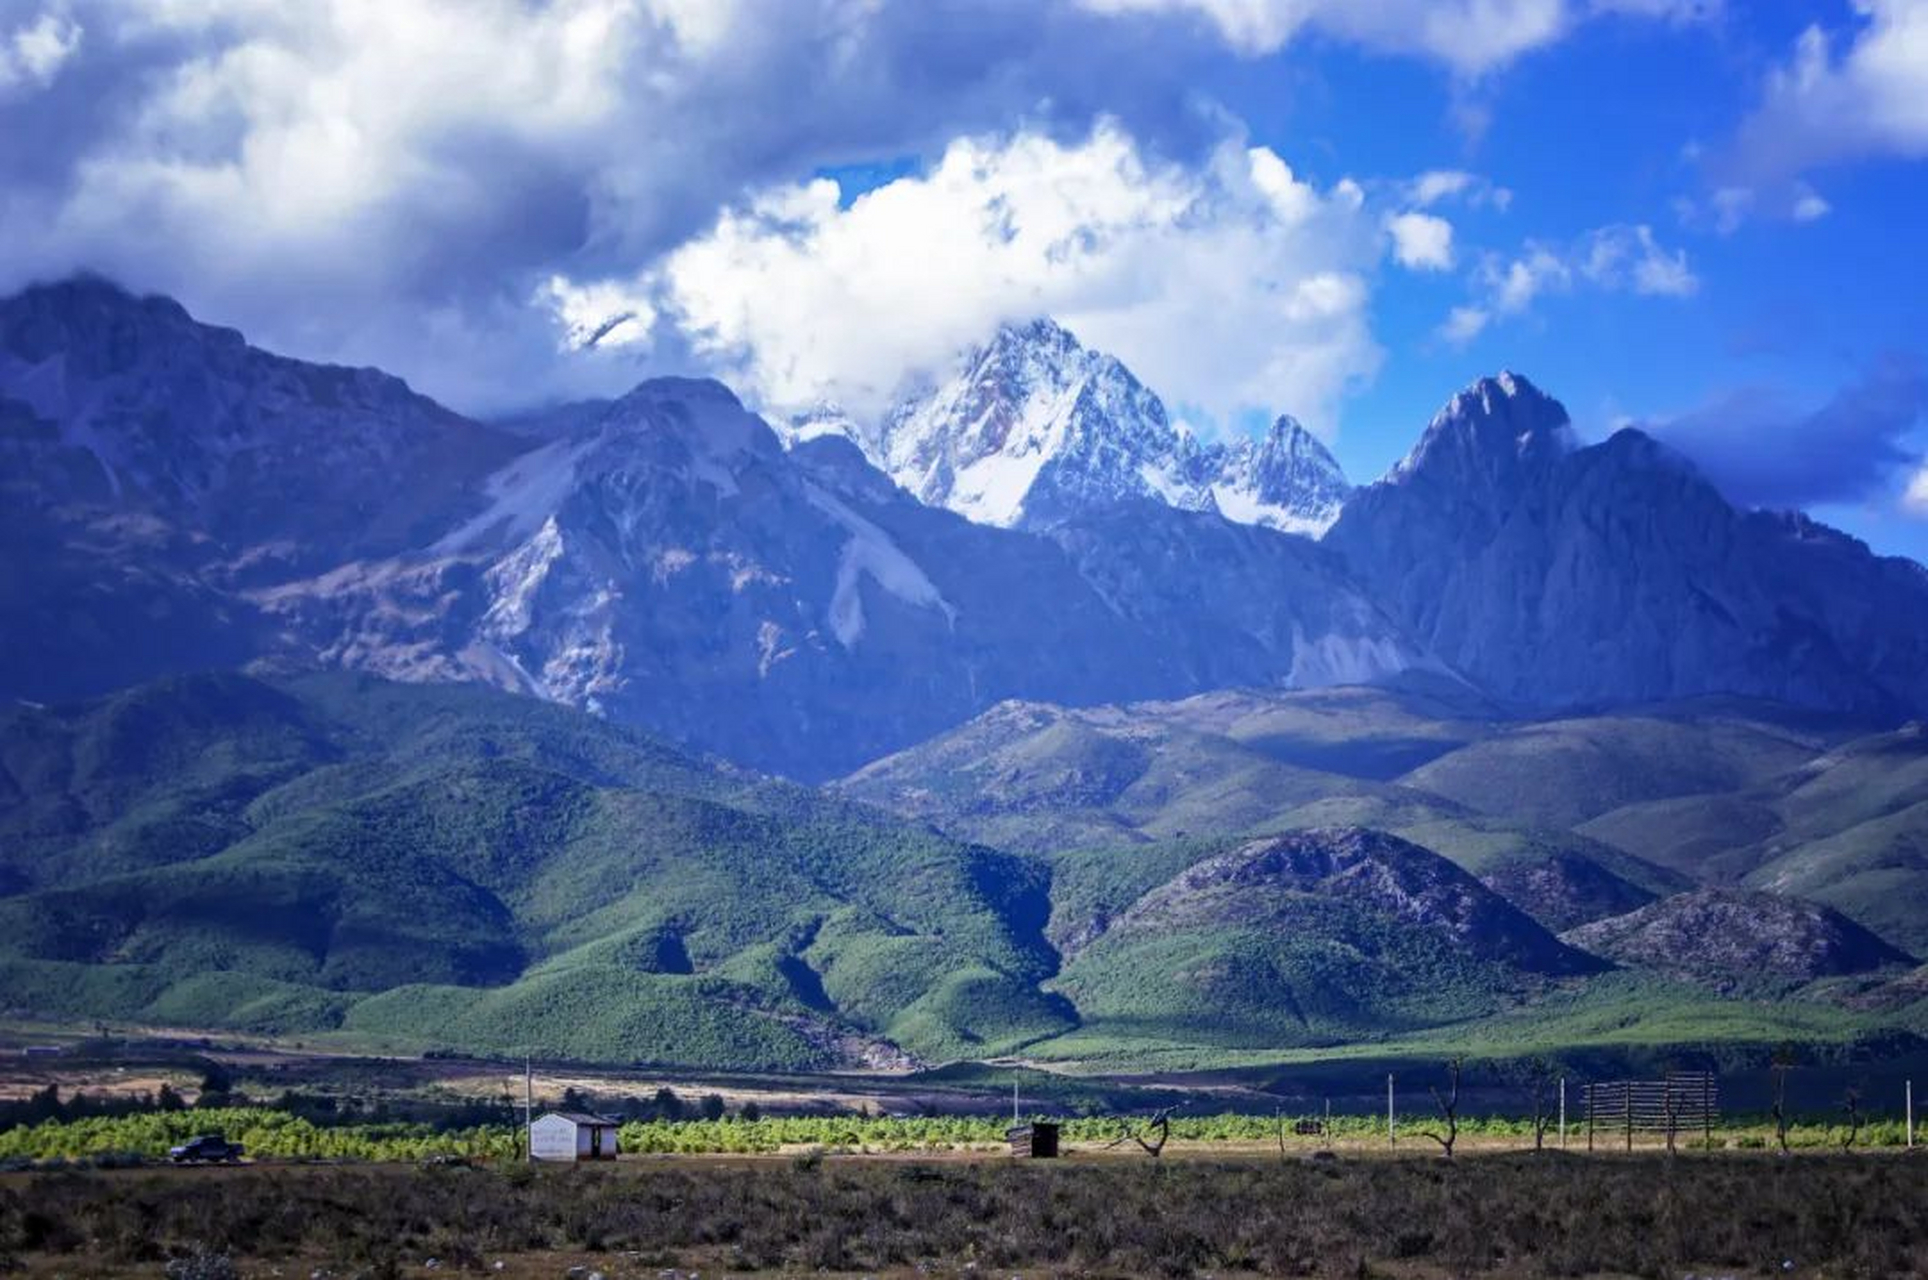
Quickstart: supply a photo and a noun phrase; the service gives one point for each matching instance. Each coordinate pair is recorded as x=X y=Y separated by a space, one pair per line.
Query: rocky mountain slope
x=1732 y=939
x=659 y=559
x=1285 y=480
x=1049 y=780
x=1032 y=428
x=152 y=468
x=673 y=566
x=1285 y=940
x=1557 y=575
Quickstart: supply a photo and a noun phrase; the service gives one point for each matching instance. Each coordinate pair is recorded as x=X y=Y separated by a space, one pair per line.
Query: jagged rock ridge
x=1033 y=428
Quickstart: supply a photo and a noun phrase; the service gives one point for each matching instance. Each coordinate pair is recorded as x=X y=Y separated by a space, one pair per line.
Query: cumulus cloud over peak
x=1232 y=285
x=377 y=182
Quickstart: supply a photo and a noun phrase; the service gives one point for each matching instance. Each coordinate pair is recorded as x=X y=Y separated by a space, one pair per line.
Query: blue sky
x=1698 y=217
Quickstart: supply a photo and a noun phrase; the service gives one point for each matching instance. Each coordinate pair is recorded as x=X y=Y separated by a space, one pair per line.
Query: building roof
x=582 y=1117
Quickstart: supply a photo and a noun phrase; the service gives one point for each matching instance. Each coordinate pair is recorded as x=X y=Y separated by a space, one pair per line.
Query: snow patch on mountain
x=1033 y=428
x=1346 y=659
x=521 y=495
x=1287 y=481
x=871 y=553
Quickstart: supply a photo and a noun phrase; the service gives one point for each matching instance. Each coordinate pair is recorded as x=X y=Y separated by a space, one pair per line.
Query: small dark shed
x=1035 y=1141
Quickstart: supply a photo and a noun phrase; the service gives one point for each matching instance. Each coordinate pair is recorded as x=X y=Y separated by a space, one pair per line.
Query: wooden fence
x=1681 y=1103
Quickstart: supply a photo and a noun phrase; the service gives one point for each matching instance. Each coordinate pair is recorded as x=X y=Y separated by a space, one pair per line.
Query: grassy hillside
x=345 y=860
x=442 y=866
x=1306 y=939
x=1563 y=772
x=1847 y=827
x=1050 y=779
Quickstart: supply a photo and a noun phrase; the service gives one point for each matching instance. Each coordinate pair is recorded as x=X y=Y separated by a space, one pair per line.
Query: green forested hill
x=421 y=867
x=447 y=865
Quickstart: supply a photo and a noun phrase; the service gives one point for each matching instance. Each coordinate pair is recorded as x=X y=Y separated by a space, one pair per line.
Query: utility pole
x=1392 y=1136
x=1563 y=1113
x=528 y=1110
x=1911 y=1115
x=1014 y=1102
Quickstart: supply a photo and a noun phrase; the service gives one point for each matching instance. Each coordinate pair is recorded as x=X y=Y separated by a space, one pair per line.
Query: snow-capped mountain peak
x=1286 y=480
x=1032 y=427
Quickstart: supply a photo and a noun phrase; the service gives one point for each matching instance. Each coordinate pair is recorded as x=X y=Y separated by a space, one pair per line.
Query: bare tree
x=1540 y=1077
x=1673 y=1116
x=1851 y=1104
x=1784 y=1061
x=1448 y=1105
x=1159 y=1129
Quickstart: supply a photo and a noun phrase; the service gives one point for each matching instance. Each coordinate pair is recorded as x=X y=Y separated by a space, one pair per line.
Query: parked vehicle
x=207 y=1148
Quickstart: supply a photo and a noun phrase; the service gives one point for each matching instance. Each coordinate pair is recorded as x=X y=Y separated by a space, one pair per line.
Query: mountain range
x=1033 y=429
x=336 y=711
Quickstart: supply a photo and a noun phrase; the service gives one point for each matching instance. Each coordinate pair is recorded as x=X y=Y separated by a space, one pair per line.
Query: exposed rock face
x=1564 y=889
x=1382 y=873
x=661 y=559
x=1033 y=429
x=1731 y=939
x=1288 y=480
x=151 y=465
x=131 y=405
x=1556 y=575
x=674 y=566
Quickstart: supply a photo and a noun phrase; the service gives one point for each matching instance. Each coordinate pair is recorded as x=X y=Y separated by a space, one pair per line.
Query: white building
x=572 y=1135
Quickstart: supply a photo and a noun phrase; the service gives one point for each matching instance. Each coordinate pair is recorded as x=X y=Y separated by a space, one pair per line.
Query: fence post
x=1589 y=1117
x=1707 y=1112
x=1392 y=1136
x=1628 y=1095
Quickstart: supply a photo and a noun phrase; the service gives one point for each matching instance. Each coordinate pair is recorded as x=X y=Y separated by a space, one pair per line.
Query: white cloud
x=1674 y=11
x=1463 y=324
x=1621 y=258
x=1915 y=500
x=1470 y=36
x=32 y=53
x=1231 y=286
x=1421 y=241
x=1810 y=205
x=360 y=181
x=1440 y=185
x=606 y=313
x=1842 y=96
x=1629 y=258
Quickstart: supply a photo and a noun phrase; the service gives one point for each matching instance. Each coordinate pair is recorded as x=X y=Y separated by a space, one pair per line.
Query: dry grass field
x=1196 y=1214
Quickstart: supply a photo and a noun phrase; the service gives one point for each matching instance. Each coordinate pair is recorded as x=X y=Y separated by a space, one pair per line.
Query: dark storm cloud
x=1764 y=450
